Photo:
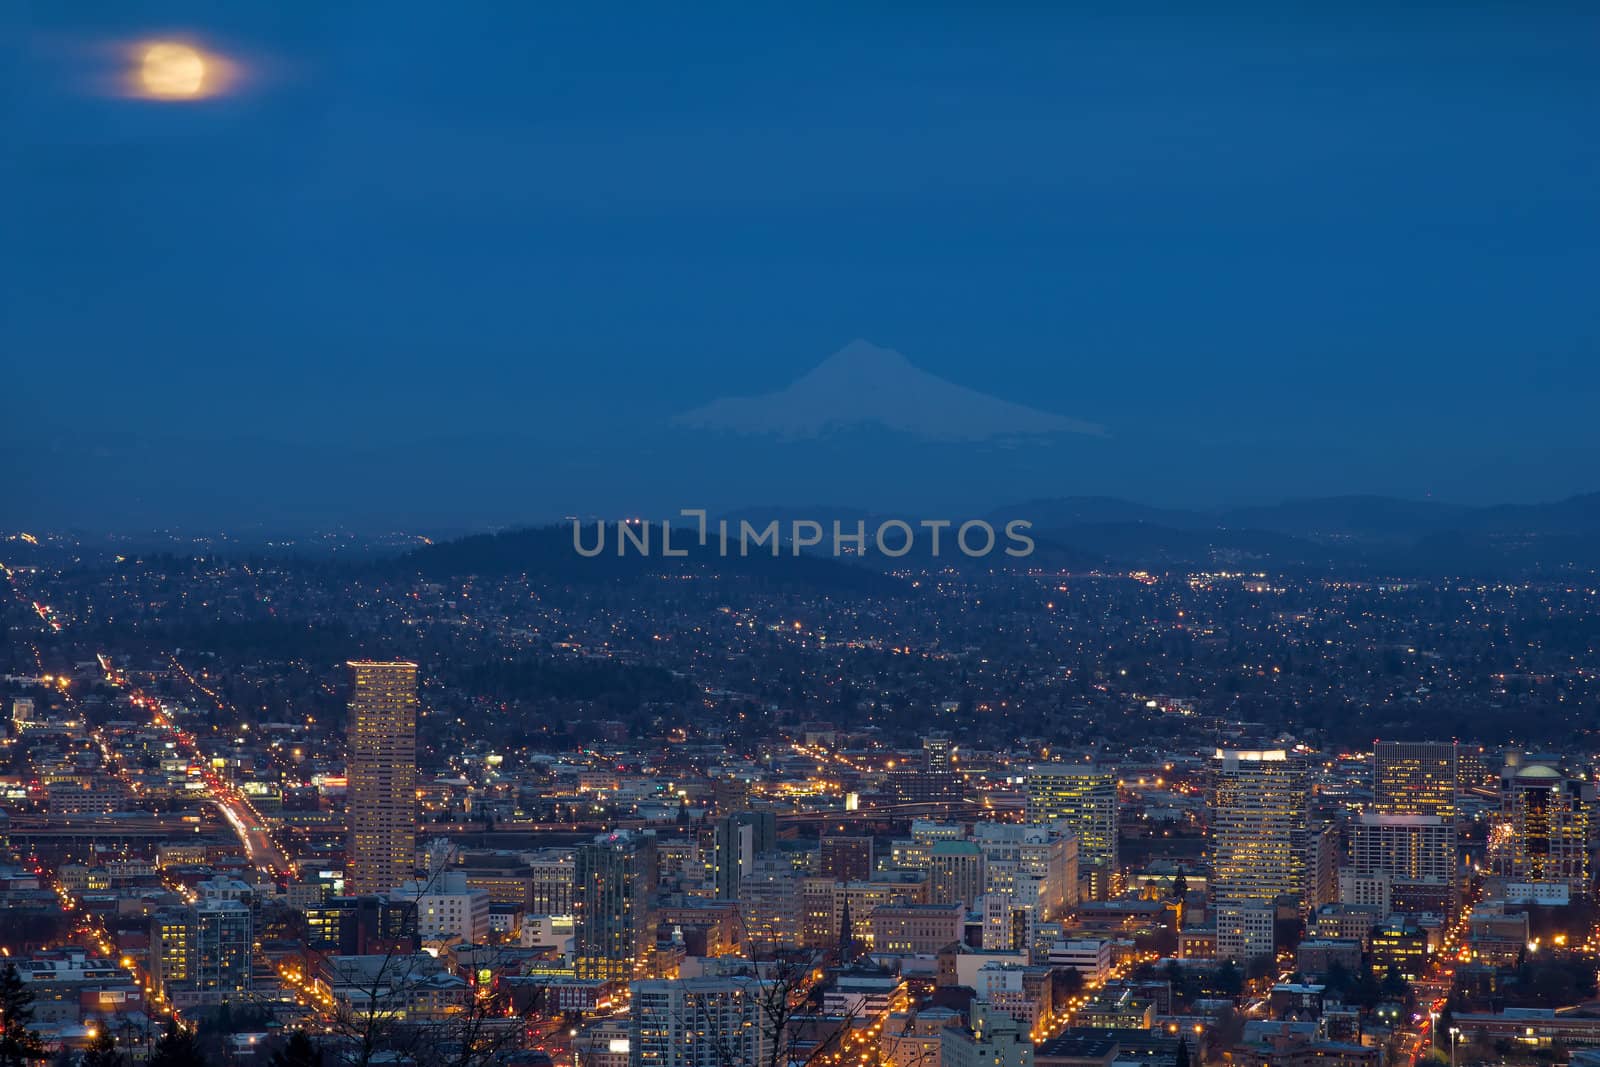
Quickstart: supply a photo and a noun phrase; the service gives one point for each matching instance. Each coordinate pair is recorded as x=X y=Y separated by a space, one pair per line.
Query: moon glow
x=173 y=70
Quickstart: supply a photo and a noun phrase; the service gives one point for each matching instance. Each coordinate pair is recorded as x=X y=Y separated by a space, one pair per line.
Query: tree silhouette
x=176 y=1048
x=18 y=1043
x=1227 y=980
x=1394 y=983
x=1447 y=1022
x=102 y=1052
x=1069 y=982
x=298 y=1051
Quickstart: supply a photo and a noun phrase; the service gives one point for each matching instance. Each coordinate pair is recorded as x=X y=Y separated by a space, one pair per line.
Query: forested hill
x=546 y=553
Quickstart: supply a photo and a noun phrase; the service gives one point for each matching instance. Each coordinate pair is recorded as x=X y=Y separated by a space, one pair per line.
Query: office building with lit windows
x=1416 y=852
x=614 y=919
x=938 y=753
x=737 y=840
x=1415 y=778
x=171 y=940
x=915 y=928
x=448 y=909
x=354 y=926
x=770 y=903
x=202 y=954
x=1411 y=833
x=1246 y=930
x=955 y=873
x=698 y=1022
x=845 y=859
x=992 y=1038
x=1259 y=800
x=1401 y=946
x=1542 y=837
x=382 y=772
x=1036 y=866
x=1084 y=798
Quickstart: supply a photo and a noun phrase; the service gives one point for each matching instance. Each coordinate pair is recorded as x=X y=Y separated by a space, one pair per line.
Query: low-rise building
x=992 y=1038
x=918 y=929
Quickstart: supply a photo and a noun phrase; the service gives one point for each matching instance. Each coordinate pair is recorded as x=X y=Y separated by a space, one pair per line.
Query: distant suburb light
x=175 y=70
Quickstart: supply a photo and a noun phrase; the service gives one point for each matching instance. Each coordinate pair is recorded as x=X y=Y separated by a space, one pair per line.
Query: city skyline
x=946 y=536
x=387 y=833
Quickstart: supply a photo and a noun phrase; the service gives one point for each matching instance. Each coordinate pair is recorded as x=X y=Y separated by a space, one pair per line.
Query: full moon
x=171 y=71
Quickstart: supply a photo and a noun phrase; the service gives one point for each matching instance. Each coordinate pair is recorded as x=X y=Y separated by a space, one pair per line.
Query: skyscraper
x=1415 y=778
x=1258 y=845
x=1258 y=826
x=1543 y=835
x=223 y=941
x=1412 y=833
x=1084 y=797
x=739 y=839
x=382 y=772
x=201 y=954
x=1417 y=852
x=613 y=904
x=171 y=945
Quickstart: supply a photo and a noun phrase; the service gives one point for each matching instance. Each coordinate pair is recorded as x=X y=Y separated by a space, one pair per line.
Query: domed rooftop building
x=1543 y=836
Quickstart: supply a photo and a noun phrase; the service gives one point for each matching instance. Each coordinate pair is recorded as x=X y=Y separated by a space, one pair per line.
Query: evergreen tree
x=1227 y=980
x=219 y=1021
x=1178 y=978
x=298 y=1051
x=18 y=1043
x=103 y=1052
x=176 y=1048
x=1069 y=982
x=1394 y=984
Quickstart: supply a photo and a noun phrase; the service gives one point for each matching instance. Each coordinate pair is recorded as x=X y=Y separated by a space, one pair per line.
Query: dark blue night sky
x=462 y=263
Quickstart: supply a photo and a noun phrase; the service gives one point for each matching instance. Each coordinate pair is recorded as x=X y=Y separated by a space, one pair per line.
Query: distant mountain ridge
x=1413 y=536
x=1360 y=515
x=1048 y=552
x=1380 y=534
x=546 y=553
x=1371 y=517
